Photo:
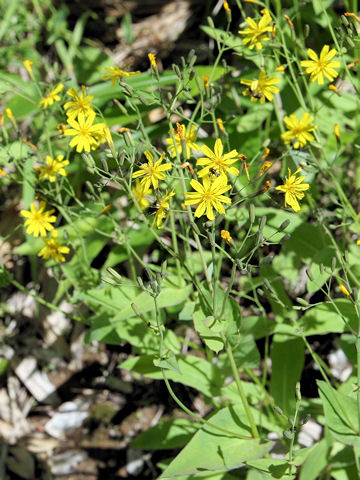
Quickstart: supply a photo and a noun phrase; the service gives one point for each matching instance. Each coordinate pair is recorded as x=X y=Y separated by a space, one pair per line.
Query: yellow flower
x=162 y=210
x=38 y=220
x=152 y=59
x=2 y=173
x=152 y=172
x=27 y=64
x=293 y=189
x=317 y=67
x=262 y=89
x=225 y=235
x=344 y=290
x=86 y=135
x=209 y=195
x=218 y=161
x=337 y=131
x=117 y=74
x=333 y=88
x=181 y=136
x=80 y=104
x=280 y=69
x=52 y=167
x=53 y=249
x=9 y=113
x=51 y=97
x=255 y=33
x=299 y=132
x=140 y=194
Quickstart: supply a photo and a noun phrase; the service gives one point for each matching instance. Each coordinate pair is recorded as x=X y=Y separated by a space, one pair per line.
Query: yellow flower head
x=27 y=64
x=298 y=131
x=140 y=194
x=256 y=33
x=52 y=167
x=317 y=67
x=51 y=97
x=293 y=189
x=263 y=88
x=38 y=221
x=86 y=135
x=152 y=59
x=116 y=74
x=344 y=290
x=208 y=196
x=53 y=249
x=80 y=105
x=152 y=172
x=218 y=160
x=225 y=235
x=182 y=136
x=163 y=209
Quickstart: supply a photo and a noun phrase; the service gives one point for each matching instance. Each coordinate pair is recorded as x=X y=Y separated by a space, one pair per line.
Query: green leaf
x=287 y=357
x=246 y=355
x=254 y=119
x=169 y=363
x=197 y=372
x=167 y=434
x=319 y=276
x=341 y=415
x=211 y=451
x=316 y=462
x=275 y=467
x=329 y=317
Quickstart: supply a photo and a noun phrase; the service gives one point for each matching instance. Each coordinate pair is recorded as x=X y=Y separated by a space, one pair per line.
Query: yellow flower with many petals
x=38 y=221
x=140 y=194
x=162 y=210
x=51 y=97
x=298 y=131
x=183 y=137
x=256 y=33
x=116 y=74
x=261 y=89
x=152 y=172
x=53 y=249
x=52 y=167
x=217 y=161
x=86 y=135
x=317 y=67
x=80 y=105
x=294 y=189
x=208 y=196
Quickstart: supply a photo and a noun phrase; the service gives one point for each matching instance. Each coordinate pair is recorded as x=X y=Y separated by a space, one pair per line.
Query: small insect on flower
x=256 y=33
x=261 y=89
x=51 y=97
x=317 y=67
x=115 y=74
x=218 y=160
x=53 y=249
x=152 y=171
x=38 y=220
x=294 y=189
x=214 y=172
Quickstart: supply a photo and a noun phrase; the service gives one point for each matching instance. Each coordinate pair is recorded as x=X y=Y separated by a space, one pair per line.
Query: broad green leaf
x=212 y=451
x=245 y=353
x=168 y=363
x=341 y=414
x=316 y=462
x=348 y=344
x=306 y=241
x=275 y=467
x=256 y=326
x=329 y=317
x=319 y=276
x=287 y=361
x=196 y=372
x=167 y=434
x=252 y=120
